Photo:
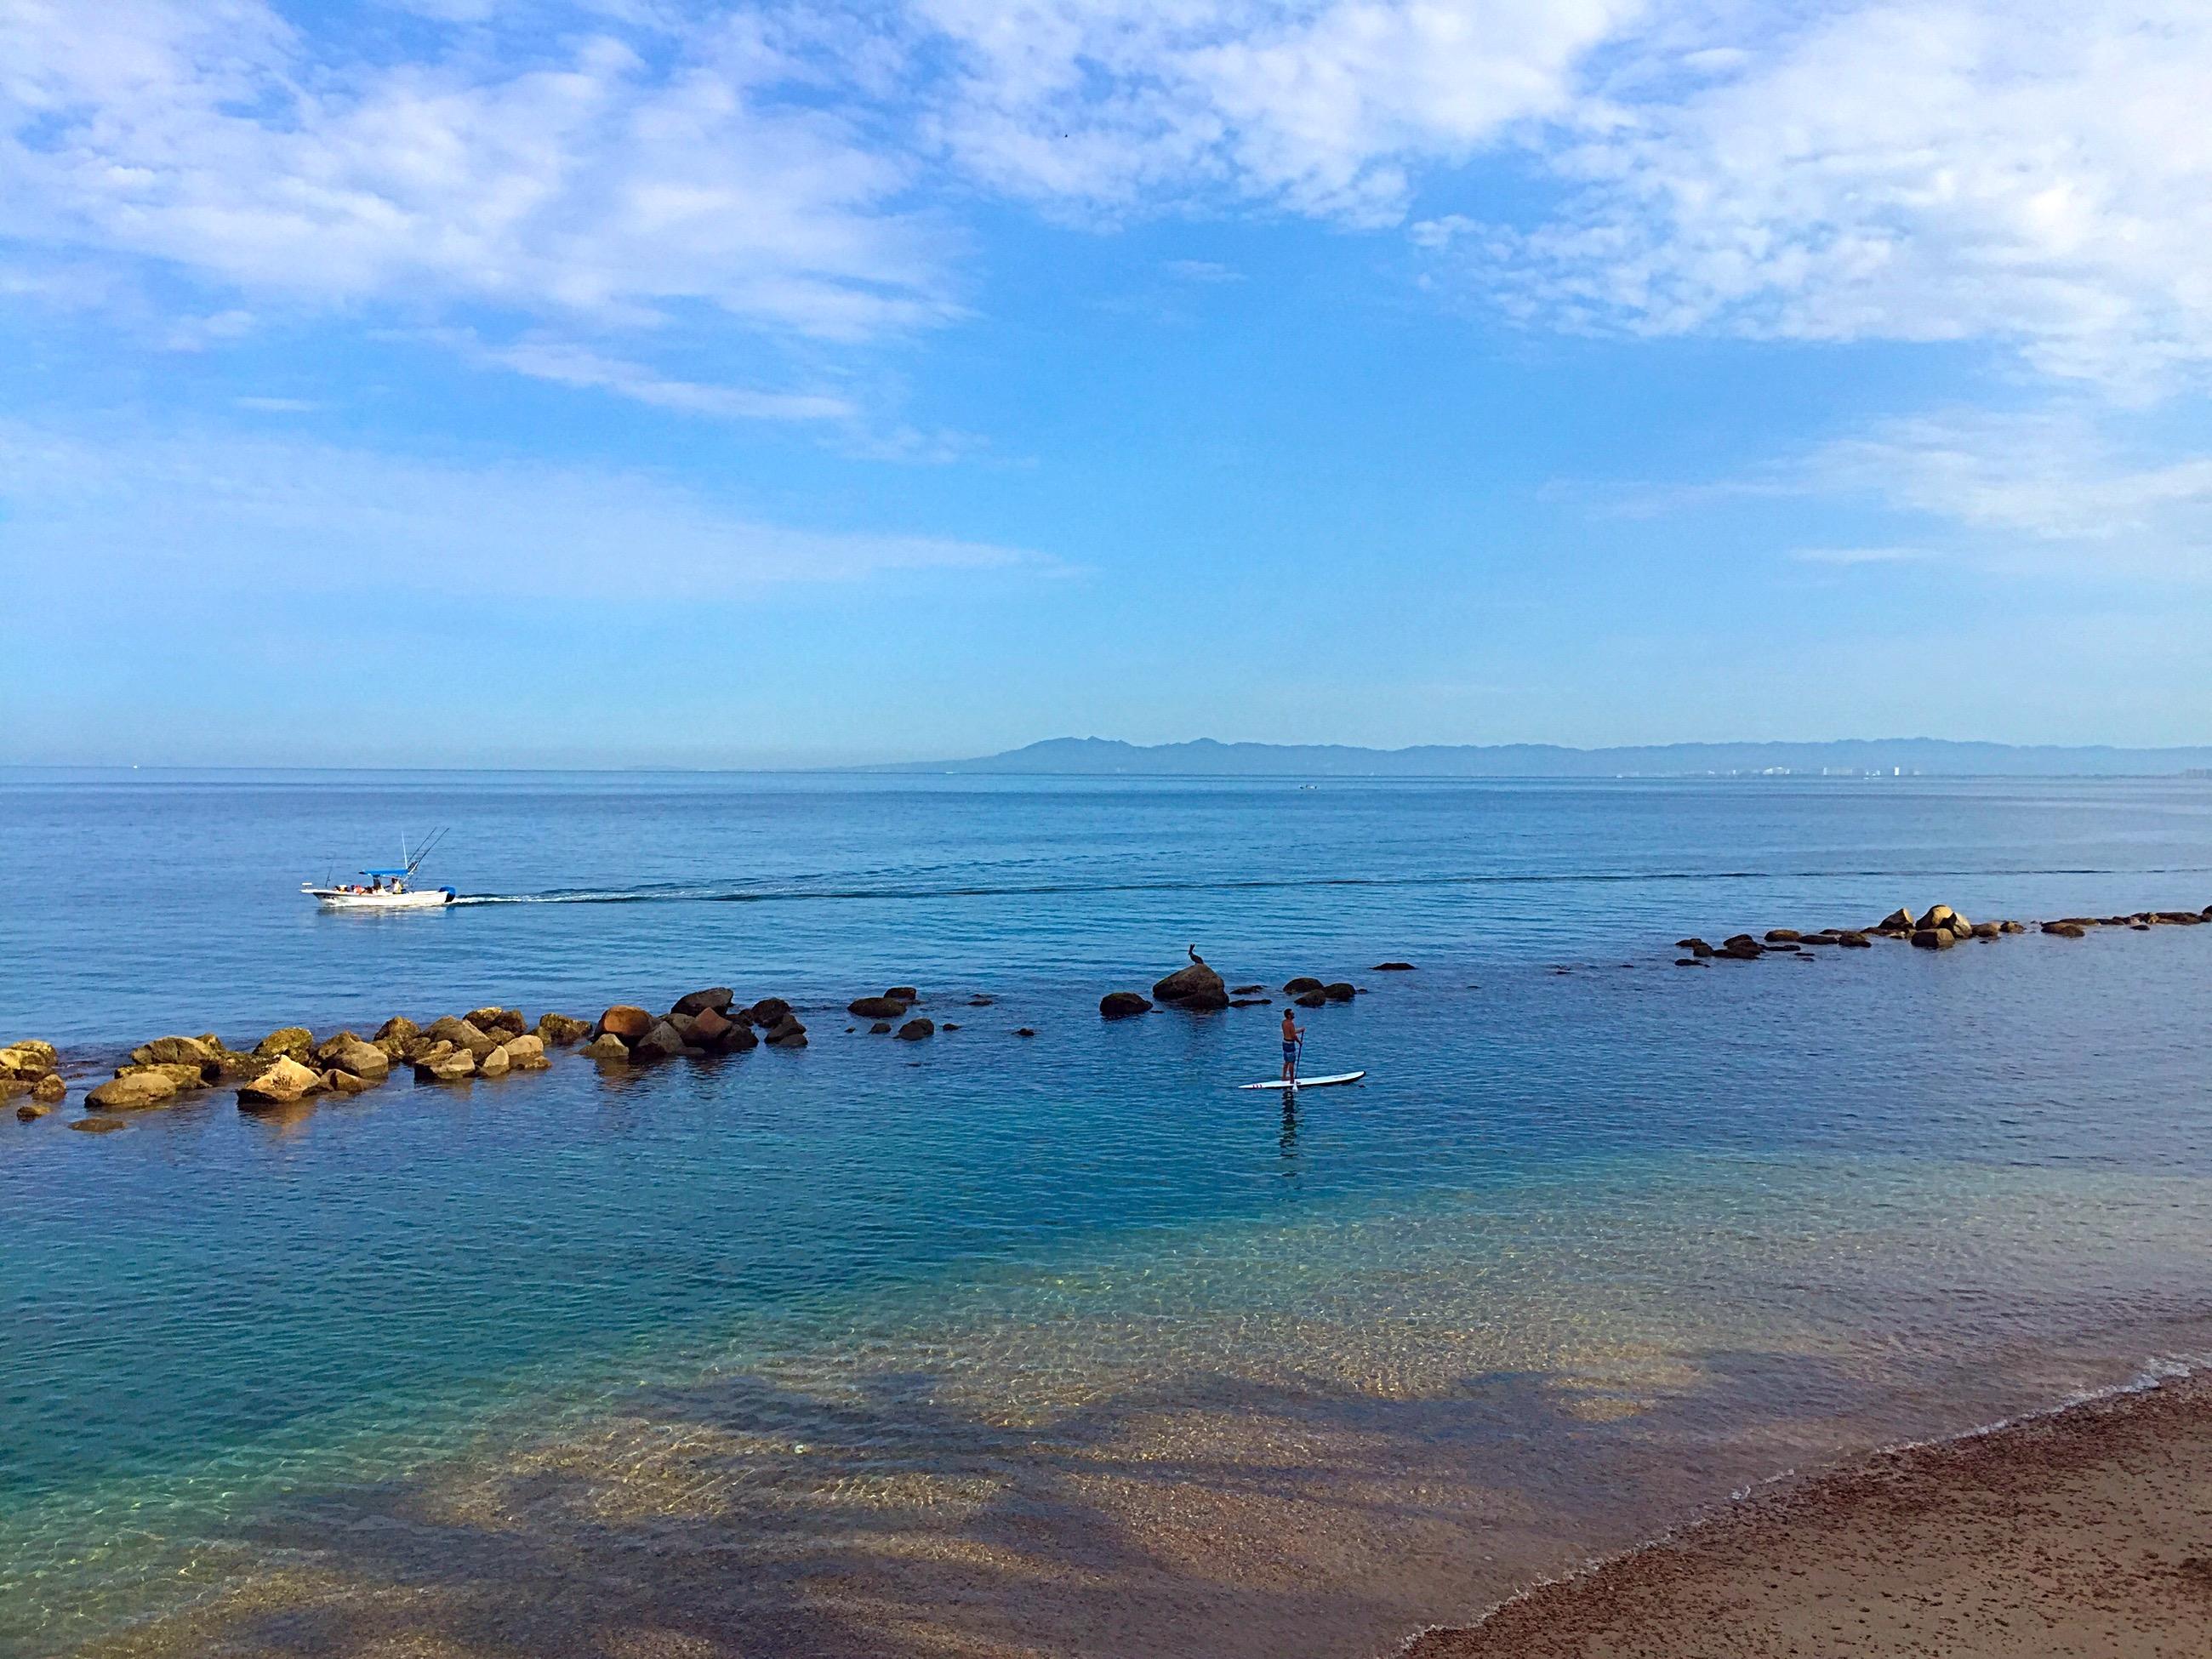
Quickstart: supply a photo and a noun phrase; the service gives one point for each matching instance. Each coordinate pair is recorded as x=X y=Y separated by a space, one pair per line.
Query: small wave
x=669 y=894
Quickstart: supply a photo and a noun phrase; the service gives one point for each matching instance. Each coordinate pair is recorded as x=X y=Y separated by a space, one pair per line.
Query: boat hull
x=429 y=898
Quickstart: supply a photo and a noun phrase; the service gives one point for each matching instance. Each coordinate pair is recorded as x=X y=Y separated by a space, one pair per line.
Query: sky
x=614 y=382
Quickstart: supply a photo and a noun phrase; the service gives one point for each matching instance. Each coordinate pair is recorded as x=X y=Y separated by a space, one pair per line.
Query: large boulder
x=462 y=1034
x=914 y=1030
x=1899 y=920
x=1934 y=938
x=1342 y=991
x=29 y=1059
x=663 y=1041
x=325 y=1053
x=134 y=1091
x=1197 y=988
x=357 y=1059
x=284 y=1083
x=524 y=1054
x=1122 y=1005
x=1303 y=983
x=1783 y=936
x=49 y=1089
x=494 y=1064
x=709 y=1027
x=1938 y=915
x=626 y=1021
x=767 y=1011
x=718 y=999
x=876 y=1008
x=739 y=1039
x=178 y=1051
x=292 y=1040
x=399 y=1031
x=446 y=1066
x=499 y=1024
x=185 y=1077
x=607 y=1048
x=559 y=1030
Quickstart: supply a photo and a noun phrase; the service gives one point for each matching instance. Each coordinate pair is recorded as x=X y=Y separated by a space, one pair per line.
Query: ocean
x=1056 y=1344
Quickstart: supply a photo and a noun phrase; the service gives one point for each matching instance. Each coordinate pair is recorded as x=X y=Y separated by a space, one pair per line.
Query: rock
x=1122 y=1005
x=292 y=1040
x=1023 y=1031
x=1741 y=949
x=1855 y=941
x=662 y=1042
x=786 y=1033
x=49 y=1089
x=400 y=1031
x=1196 y=988
x=768 y=1011
x=336 y=1082
x=609 y=1047
x=1300 y=985
x=462 y=1034
x=178 y=1051
x=877 y=1008
x=29 y=1058
x=1250 y=1002
x=1246 y=990
x=709 y=1026
x=904 y=993
x=2179 y=918
x=1310 y=999
x=1938 y=915
x=324 y=1053
x=498 y=1023
x=949 y=1025
x=1392 y=968
x=1816 y=938
x=915 y=1030
x=31 y=1110
x=879 y=1028
x=97 y=1126
x=2011 y=927
x=980 y=1001
x=1934 y=938
x=559 y=1030
x=682 y=1023
x=1691 y=962
x=1787 y=947
x=455 y=1065
x=494 y=1064
x=1986 y=930
x=1696 y=947
x=183 y=1079
x=282 y=1085
x=718 y=998
x=134 y=1091
x=739 y=1039
x=525 y=1053
x=626 y=1022
x=1339 y=992
x=1783 y=936
x=1960 y=926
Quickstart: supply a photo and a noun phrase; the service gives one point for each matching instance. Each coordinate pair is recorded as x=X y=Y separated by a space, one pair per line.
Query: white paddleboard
x=1307 y=1082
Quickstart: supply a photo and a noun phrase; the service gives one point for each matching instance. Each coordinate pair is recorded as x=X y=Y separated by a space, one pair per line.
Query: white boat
x=385 y=890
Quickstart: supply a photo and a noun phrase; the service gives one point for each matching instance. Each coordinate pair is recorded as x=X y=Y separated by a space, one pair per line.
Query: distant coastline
x=1855 y=757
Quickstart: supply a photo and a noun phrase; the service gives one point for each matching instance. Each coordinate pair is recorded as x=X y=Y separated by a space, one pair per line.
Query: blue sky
x=517 y=381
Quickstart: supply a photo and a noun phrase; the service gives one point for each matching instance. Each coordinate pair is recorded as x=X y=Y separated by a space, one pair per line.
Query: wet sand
x=2087 y=1532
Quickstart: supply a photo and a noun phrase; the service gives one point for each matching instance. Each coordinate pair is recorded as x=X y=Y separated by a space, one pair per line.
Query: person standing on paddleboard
x=1294 y=1037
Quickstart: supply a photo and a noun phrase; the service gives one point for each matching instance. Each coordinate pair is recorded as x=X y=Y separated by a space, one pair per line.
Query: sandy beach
x=2086 y=1532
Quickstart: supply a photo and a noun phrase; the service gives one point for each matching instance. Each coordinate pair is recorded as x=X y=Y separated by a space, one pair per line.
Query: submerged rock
x=877 y=1008
x=1695 y=946
x=607 y=1046
x=1023 y=1031
x=1246 y=990
x=97 y=1126
x=1310 y=999
x=1303 y=983
x=915 y=1030
x=1855 y=941
x=1122 y=1005
x=1250 y=1002
x=1392 y=968
x=879 y=1028
x=1783 y=936
x=904 y=993
x=1339 y=992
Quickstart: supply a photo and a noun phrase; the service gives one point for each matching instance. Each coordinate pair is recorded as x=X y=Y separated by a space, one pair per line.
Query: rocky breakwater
x=30 y=1073
x=483 y=1042
x=700 y=1025
x=1940 y=927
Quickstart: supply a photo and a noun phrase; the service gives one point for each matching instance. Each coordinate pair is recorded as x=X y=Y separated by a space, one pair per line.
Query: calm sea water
x=1055 y=1345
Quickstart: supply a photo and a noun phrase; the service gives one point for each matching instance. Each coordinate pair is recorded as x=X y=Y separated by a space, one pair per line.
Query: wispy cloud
x=212 y=515
x=568 y=364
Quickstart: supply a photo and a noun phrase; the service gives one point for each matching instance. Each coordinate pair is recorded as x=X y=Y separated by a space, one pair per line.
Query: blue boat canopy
x=384 y=872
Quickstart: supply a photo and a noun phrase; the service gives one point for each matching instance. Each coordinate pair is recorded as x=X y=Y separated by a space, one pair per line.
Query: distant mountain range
x=1928 y=757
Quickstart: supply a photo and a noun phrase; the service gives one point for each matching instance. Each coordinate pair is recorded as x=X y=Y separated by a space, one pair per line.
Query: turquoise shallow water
x=1059 y=1344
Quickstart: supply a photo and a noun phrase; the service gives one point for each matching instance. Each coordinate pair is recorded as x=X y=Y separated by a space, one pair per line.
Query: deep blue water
x=1693 y=1198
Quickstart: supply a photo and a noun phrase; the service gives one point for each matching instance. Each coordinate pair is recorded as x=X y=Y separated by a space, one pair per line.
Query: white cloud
x=2054 y=476
x=2038 y=173
x=1322 y=107
x=566 y=364
x=588 y=183
x=222 y=516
